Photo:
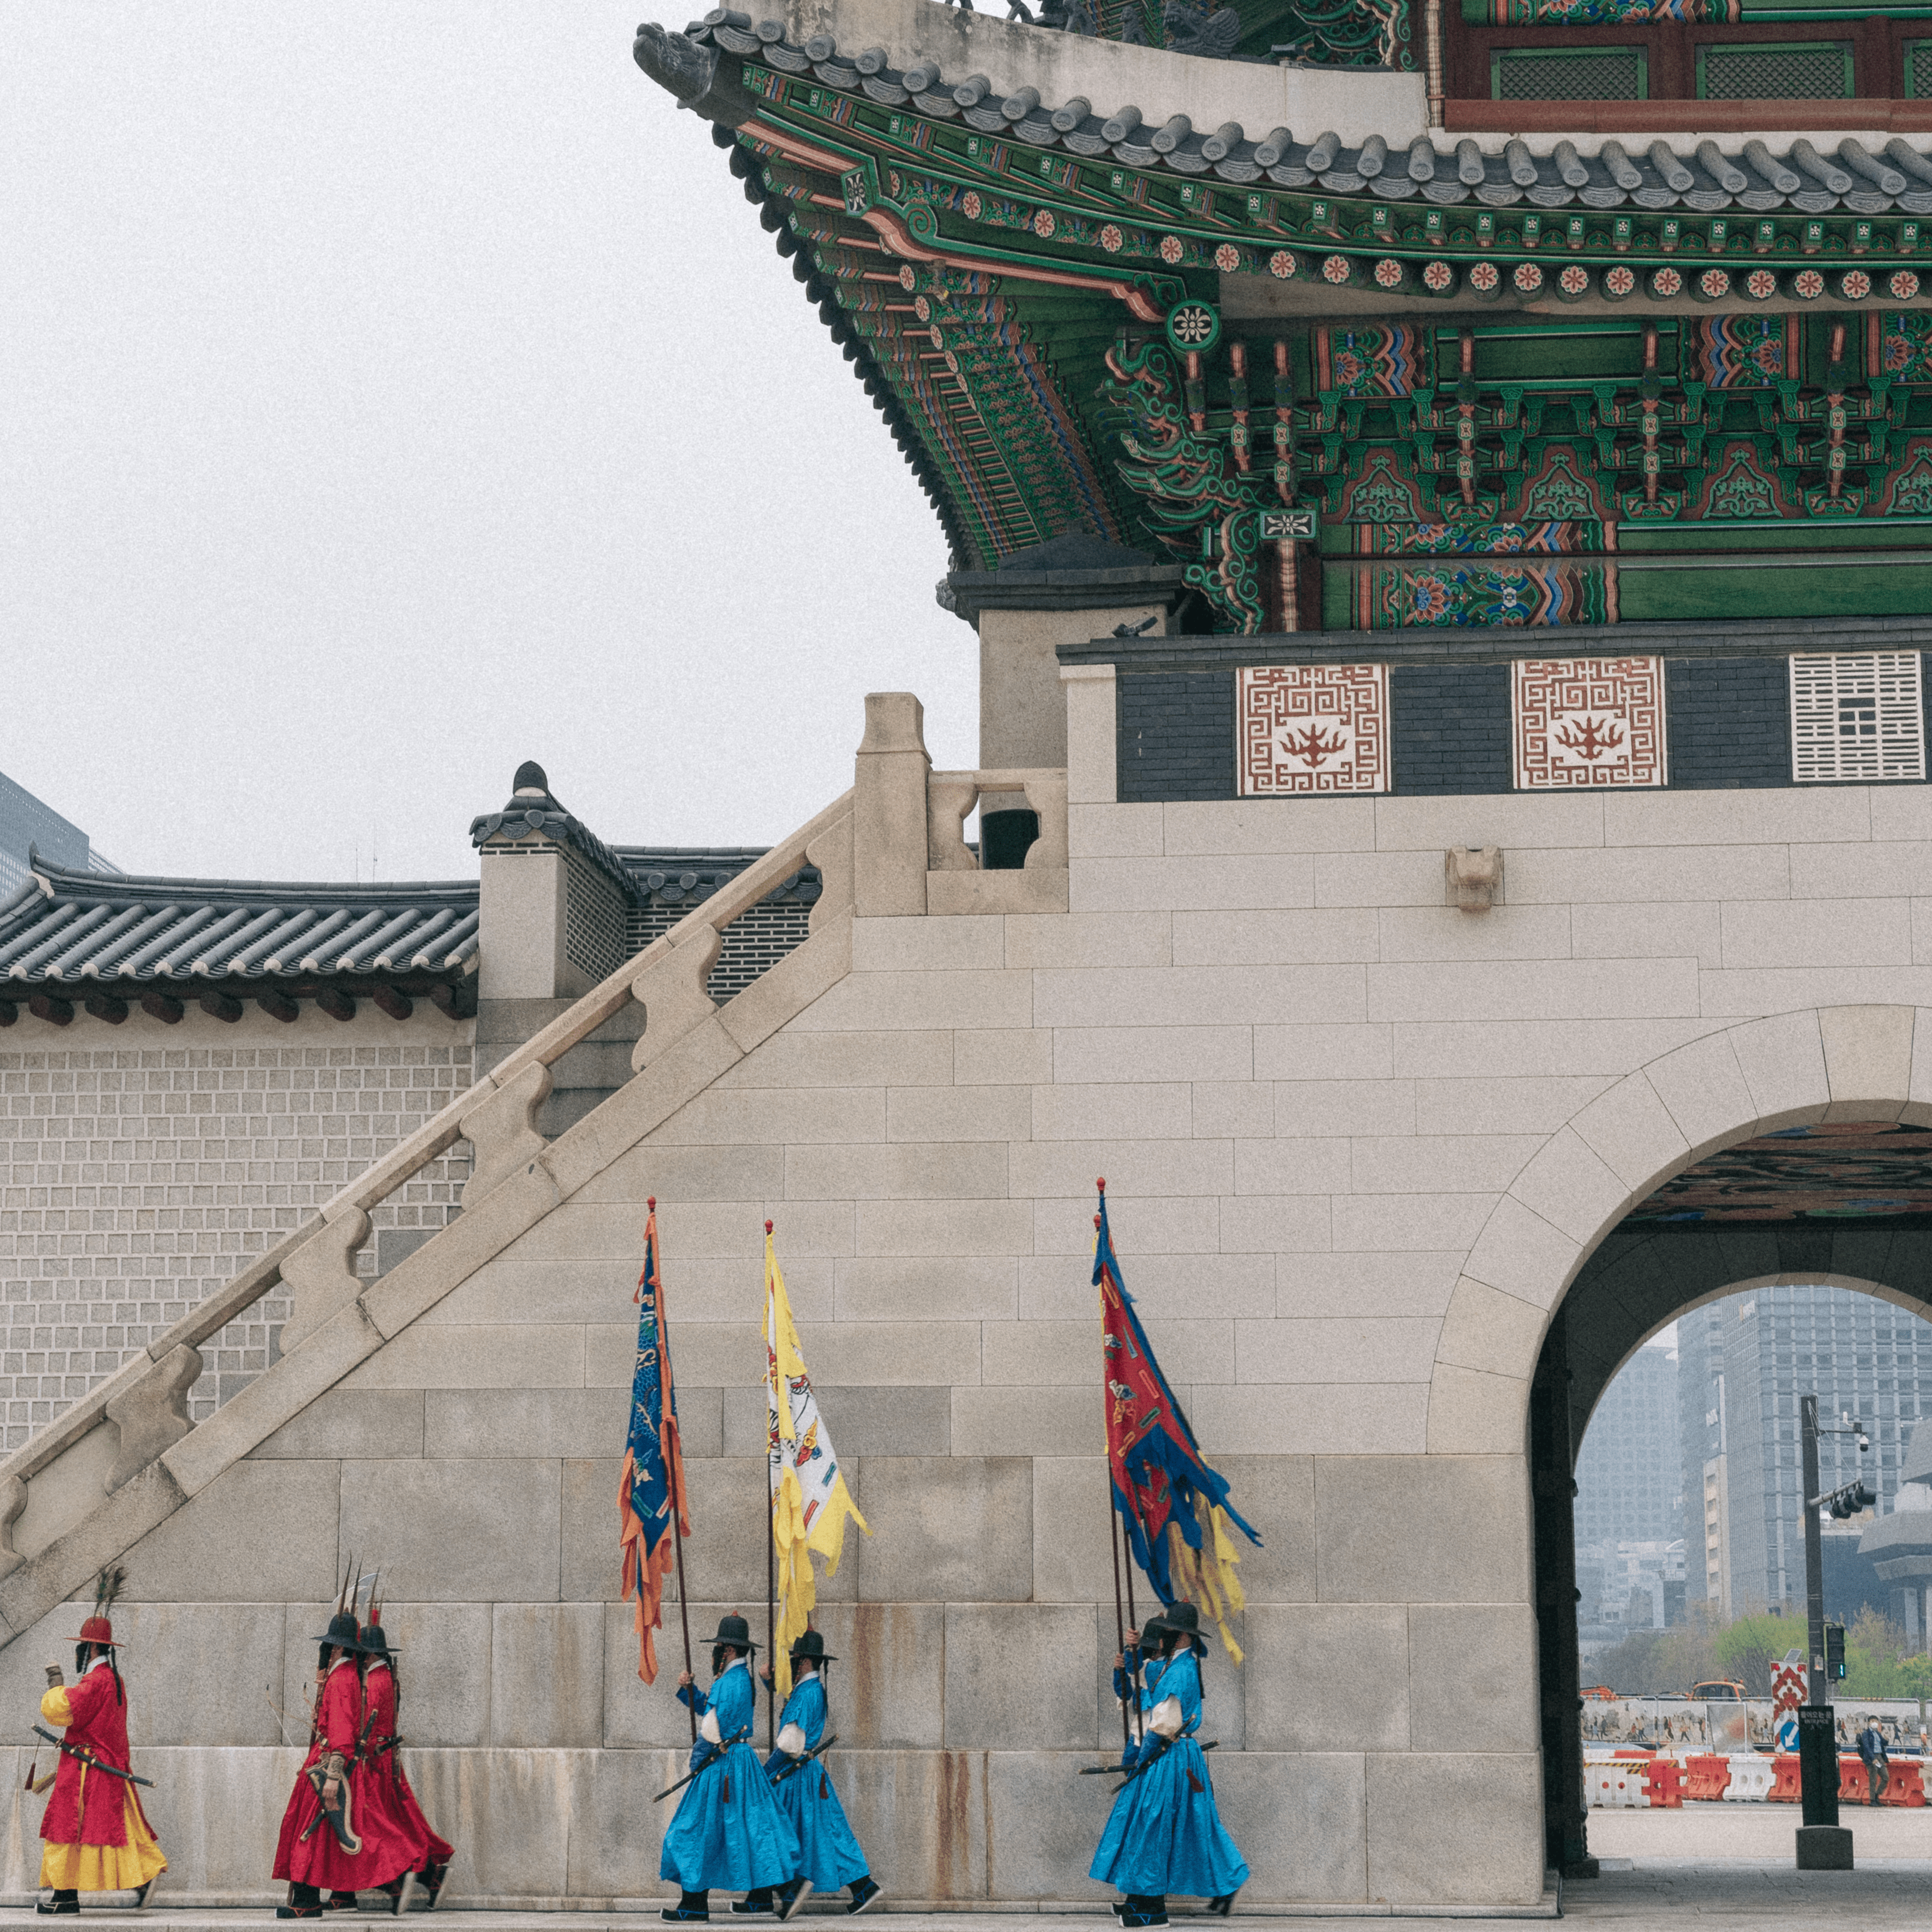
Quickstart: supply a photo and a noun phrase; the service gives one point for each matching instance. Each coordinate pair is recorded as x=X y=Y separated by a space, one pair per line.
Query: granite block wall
x=142 y=1166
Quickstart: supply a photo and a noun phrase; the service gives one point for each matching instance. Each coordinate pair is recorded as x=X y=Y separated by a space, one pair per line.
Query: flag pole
x=1120 y=1529
x=771 y=1536
x=1114 y=1541
x=677 y=1480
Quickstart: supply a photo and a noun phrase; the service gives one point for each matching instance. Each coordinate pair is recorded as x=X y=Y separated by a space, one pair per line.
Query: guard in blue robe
x=729 y=1831
x=831 y=1853
x=1164 y=1834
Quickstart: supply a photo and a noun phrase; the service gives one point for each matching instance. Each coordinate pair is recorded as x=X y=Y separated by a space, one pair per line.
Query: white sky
x=393 y=392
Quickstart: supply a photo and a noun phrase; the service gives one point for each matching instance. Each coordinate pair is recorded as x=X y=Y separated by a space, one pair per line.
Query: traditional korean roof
x=677 y=877
x=67 y=935
x=1331 y=382
x=532 y=810
x=1588 y=171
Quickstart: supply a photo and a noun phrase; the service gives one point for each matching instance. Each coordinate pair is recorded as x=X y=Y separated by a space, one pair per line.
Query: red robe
x=388 y=1795
x=319 y=1860
x=87 y=1808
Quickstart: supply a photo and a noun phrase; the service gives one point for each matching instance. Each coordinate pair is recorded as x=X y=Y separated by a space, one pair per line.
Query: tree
x=1748 y=1648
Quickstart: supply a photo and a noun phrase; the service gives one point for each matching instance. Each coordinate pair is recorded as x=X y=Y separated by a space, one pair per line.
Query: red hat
x=97 y=1630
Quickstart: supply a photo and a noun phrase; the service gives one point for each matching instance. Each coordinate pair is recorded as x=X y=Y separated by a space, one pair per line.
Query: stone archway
x=1562 y=1285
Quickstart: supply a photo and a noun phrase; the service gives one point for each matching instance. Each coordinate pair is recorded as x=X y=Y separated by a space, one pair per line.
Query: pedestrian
x=729 y=1831
x=387 y=1797
x=830 y=1853
x=1878 y=1767
x=96 y=1837
x=322 y=1846
x=1164 y=1835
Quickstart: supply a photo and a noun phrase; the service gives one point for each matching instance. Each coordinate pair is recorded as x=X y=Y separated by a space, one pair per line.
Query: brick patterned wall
x=1176 y=736
x=1450 y=734
x=137 y=1178
x=1729 y=721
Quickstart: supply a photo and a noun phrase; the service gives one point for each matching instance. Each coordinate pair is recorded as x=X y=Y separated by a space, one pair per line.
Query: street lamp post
x=1823 y=1843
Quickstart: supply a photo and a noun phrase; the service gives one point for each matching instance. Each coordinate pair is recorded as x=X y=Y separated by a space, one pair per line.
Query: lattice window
x=1919 y=69
x=1856 y=716
x=1569 y=73
x=1798 y=71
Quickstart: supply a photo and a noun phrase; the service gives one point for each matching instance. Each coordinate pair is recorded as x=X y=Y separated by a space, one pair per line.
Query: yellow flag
x=810 y=1501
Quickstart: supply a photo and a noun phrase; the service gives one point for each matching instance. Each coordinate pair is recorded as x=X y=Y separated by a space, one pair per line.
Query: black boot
x=753 y=1903
x=792 y=1896
x=305 y=1902
x=65 y=1904
x=866 y=1893
x=693 y=1908
x=1141 y=1910
x=1222 y=1905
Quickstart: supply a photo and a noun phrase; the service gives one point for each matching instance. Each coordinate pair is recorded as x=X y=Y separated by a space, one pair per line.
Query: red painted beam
x=397 y=1005
x=1671 y=117
x=278 y=1006
x=106 y=1006
x=163 y=1007
x=50 y=1007
x=335 y=1003
x=218 y=1004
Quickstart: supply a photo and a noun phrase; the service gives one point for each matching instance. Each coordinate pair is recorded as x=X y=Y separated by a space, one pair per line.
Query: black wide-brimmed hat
x=344 y=1633
x=736 y=1631
x=1185 y=1618
x=376 y=1642
x=1151 y=1633
x=812 y=1645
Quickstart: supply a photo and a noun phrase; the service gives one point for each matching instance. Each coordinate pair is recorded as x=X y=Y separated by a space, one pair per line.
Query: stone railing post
x=889 y=808
x=152 y=1416
x=1046 y=795
x=502 y=1131
x=320 y=1276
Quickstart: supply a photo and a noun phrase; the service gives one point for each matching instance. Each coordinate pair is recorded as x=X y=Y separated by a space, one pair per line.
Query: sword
x=1102 y=1770
x=717 y=1752
x=89 y=1761
x=799 y=1763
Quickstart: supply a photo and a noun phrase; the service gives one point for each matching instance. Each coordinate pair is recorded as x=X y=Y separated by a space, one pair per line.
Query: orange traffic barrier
x=1663 y=1782
x=1907 y=1786
x=1708 y=1777
x=1785 y=1789
x=1852 y=1788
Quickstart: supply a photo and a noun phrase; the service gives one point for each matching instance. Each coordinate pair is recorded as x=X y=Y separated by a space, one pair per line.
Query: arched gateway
x=1784 y=1151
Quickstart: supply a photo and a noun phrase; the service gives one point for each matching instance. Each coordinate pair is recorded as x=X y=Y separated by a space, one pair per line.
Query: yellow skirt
x=105 y=1868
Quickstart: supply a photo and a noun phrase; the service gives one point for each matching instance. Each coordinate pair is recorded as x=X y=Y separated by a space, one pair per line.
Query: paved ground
x=1707 y=1866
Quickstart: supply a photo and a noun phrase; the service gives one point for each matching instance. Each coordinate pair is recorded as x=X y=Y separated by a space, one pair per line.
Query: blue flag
x=652 y=1506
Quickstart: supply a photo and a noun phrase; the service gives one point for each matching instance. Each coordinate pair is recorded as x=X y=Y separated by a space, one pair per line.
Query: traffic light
x=1852 y=1498
x=1834 y=1650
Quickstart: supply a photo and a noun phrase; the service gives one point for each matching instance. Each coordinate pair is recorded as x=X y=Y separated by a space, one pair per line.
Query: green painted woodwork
x=1668 y=596
x=1030 y=364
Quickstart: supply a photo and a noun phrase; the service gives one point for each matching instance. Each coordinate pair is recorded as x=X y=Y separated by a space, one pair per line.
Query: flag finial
x=1096 y=1220
x=1101 y=1183
x=651 y=1202
x=768 y=1227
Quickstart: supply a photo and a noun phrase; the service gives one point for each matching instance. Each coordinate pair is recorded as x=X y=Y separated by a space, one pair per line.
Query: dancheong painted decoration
x=1396 y=383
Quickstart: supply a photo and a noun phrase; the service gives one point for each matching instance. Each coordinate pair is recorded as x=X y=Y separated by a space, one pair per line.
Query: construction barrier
x=1751 y=1779
x=1664 y=1784
x=1852 y=1788
x=1908 y=1783
x=1785 y=1789
x=1707 y=1777
x=1618 y=1786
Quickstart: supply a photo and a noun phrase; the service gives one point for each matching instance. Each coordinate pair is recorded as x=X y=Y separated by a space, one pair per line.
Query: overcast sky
x=390 y=393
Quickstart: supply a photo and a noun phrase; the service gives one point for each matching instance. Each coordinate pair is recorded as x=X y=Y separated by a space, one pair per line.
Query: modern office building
x=27 y=824
x=1744 y=1364
x=1629 y=1486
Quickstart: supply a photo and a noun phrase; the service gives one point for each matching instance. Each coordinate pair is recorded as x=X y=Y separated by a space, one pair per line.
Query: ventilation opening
x=1919 y=69
x=1803 y=70
x=1857 y=716
x=1569 y=73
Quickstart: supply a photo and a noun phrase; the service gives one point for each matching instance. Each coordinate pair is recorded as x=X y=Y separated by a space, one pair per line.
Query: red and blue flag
x=1175 y=1507
x=651 y=1486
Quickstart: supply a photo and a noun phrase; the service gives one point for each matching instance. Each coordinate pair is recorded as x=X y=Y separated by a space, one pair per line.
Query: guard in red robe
x=387 y=1794
x=329 y=1840
x=97 y=1838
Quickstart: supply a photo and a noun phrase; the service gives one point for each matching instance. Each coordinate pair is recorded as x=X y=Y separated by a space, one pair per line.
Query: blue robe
x=833 y=1859
x=743 y=1842
x=1164 y=1834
